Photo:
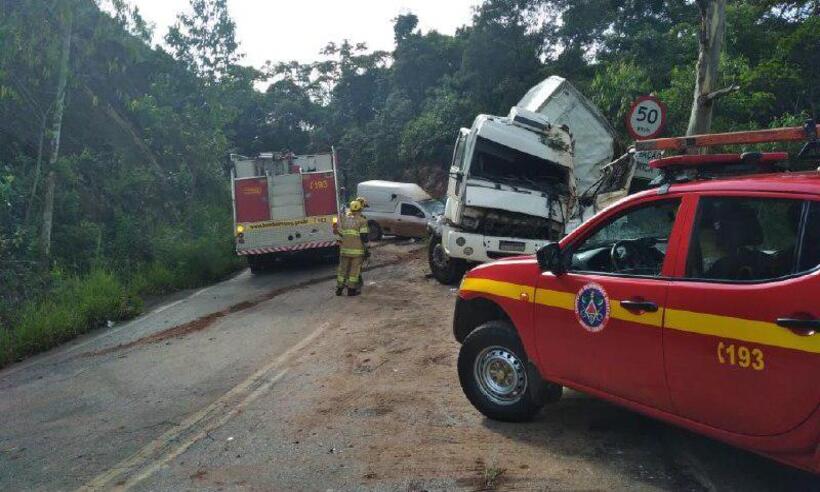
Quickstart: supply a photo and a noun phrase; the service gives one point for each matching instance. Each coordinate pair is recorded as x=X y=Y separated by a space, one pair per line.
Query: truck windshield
x=495 y=162
x=433 y=207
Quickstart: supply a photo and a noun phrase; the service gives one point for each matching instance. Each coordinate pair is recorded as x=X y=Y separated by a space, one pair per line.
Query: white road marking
x=159 y=452
x=167 y=306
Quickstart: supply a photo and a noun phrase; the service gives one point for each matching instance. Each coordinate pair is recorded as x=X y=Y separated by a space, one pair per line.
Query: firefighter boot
x=353 y=292
x=339 y=290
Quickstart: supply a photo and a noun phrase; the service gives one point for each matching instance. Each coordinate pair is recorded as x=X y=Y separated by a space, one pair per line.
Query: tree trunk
x=710 y=40
x=38 y=166
x=59 y=106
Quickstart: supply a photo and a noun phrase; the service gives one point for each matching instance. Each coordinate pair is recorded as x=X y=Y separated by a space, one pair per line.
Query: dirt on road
x=375 y=403
x=290 y=387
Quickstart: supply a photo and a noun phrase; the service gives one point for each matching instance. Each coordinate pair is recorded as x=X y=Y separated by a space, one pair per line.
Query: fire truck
x=284 y=204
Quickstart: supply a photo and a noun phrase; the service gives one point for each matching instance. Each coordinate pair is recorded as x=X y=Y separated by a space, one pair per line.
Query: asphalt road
x=272 y=383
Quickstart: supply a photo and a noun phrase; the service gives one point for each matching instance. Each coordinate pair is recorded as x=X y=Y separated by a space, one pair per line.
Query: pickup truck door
x=411 y=221
x=740 y=345
x=599 y=324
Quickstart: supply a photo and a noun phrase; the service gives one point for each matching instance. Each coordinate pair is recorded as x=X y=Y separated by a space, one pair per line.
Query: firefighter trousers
x=350 y=272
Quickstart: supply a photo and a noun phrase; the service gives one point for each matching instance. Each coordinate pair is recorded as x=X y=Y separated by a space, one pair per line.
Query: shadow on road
x=649 y=451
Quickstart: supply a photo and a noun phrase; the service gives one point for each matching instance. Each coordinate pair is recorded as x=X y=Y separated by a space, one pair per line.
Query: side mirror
x=549 y=258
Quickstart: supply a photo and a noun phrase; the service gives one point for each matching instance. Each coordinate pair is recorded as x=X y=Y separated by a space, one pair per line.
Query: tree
x=710 y=42
x=205 y=40
x=67 y=15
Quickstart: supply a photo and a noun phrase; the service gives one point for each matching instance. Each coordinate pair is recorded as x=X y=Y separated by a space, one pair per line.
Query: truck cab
x=515 y=180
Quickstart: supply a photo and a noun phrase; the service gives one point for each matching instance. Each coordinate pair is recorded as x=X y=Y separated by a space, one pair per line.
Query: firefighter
x=353 y=231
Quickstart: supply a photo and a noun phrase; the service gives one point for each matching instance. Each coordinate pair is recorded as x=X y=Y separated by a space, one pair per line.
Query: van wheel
x=446 y=270
x=374 y=231
x=496 y=376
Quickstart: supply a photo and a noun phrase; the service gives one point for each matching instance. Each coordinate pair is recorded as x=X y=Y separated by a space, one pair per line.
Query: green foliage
x=74 y=306
x=142 y=203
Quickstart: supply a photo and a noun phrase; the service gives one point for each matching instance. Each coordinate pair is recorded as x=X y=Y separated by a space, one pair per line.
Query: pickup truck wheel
x=446 y=270
x=492 y=369
x=375 y=231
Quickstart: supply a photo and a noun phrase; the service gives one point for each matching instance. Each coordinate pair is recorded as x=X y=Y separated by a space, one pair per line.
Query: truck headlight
x=240 y=229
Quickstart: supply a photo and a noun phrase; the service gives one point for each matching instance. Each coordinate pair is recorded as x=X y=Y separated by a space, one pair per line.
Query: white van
x=399 y=209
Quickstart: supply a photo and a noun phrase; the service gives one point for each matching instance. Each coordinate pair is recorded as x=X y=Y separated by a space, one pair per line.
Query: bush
x=75 y=306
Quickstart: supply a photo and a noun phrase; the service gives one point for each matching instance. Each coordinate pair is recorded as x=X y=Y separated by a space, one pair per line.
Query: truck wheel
x=375 y=229
x=258 y=263
x=493 y=371
x=446 y=270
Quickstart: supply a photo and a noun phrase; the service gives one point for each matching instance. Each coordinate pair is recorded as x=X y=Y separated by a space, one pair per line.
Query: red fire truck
x=284 y=204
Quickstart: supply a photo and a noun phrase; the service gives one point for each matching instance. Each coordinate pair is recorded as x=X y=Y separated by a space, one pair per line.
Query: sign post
x=646 y=118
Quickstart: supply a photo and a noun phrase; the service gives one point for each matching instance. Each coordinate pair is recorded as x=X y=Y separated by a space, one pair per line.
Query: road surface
x=271 y=382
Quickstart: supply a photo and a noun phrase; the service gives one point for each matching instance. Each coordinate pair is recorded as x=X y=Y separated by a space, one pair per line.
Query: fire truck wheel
x=446 y=270
x=375 y=229
x=493 y=371
x=257 y=264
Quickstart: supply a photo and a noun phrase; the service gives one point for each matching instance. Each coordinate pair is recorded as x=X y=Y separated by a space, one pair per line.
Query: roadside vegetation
x=113 y=184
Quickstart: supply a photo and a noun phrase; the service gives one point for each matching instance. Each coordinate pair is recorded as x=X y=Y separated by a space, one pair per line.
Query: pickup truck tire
x=446 y=270
x=493 y=371
x=375 y=231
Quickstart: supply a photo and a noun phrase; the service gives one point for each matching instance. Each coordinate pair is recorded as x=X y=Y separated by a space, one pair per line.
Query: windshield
x=495 y=162
x=432 y=206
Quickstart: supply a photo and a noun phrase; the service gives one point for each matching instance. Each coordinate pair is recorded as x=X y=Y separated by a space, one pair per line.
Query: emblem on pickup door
x=592 y=307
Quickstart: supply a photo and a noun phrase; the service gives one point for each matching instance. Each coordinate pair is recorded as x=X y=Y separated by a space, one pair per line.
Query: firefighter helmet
x=355 y=206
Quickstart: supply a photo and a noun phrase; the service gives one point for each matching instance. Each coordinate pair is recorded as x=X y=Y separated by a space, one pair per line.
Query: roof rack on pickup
x=807 y=132
x=680 y=168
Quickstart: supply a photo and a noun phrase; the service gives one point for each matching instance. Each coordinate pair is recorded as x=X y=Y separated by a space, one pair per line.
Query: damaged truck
x=521 y=180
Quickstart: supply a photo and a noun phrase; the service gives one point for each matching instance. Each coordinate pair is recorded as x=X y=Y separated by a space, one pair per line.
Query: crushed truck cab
x=515 y=181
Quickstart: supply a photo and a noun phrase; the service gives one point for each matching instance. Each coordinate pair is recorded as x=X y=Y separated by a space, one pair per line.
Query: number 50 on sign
x=646 y=118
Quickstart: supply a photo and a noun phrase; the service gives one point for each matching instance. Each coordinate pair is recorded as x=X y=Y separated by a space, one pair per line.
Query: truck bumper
x=283 y=249
x=482 y=249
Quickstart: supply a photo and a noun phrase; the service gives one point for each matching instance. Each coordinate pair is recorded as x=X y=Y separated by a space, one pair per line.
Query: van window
x=744 y=239
x=411 y=210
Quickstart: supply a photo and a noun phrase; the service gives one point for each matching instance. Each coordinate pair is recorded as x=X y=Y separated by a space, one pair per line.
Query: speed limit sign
x=646 y=118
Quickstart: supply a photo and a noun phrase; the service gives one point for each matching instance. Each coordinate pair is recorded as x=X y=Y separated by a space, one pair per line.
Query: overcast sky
x=284 y=30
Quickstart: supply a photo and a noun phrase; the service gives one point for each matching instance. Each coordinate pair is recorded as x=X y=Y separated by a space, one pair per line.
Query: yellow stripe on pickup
x=555 y=298
x=760 y=332
x=498 y=288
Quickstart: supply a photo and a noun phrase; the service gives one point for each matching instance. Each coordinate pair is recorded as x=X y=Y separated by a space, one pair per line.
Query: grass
x=76 y=305
x=491 y=475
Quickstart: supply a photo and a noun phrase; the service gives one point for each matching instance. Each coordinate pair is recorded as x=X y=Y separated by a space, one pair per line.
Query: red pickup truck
x=696 y=302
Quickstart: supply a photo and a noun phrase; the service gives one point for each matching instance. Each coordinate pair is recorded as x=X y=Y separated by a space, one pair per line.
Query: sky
x=284 y=30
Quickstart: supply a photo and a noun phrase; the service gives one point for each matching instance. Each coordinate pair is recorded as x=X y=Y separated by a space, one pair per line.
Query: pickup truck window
x=810 y=251
x=632 y=243
x=411 y=210
x=744 y=239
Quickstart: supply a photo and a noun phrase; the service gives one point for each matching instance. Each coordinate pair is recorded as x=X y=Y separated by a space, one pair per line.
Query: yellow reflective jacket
x=351 y=226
